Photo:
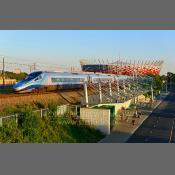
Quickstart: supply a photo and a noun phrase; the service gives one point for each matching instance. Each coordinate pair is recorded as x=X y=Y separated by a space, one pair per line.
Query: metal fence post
x=41 y=113
x=0 y=122
x=16 y=118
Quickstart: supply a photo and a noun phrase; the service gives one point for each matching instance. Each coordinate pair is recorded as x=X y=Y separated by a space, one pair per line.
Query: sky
x=67 y=47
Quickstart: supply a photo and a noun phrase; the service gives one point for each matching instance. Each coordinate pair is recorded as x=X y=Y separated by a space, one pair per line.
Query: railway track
x=18 y=95
x=9 y=95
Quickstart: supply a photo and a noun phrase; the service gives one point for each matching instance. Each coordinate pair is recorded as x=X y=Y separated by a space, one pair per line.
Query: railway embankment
x=61 y=97
x=12 y=100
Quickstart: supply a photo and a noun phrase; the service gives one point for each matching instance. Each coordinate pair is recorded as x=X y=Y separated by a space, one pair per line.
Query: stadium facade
x=122 y=67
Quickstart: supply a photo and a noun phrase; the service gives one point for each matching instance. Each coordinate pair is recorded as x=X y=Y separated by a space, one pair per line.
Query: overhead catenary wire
x=36 y=66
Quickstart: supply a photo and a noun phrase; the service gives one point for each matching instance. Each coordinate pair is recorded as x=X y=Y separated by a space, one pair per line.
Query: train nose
x=17 y=86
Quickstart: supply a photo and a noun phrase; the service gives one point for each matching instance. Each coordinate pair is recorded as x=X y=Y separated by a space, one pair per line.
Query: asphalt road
x=159 y=127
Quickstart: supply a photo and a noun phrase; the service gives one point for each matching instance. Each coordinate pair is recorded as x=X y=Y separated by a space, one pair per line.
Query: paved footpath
x=160 y=126
x=123 y=130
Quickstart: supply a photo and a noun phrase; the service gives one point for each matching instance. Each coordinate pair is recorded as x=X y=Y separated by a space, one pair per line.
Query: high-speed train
x=41 y=81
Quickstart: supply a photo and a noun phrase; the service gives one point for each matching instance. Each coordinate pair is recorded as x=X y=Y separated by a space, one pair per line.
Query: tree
x=157 y=82
x=18 y=77
x=171 y=78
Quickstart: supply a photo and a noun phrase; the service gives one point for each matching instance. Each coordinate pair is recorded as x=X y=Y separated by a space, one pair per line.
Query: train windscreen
x=32 y=76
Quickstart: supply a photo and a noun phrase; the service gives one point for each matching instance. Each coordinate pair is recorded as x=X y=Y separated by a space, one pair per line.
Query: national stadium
x=120 y=67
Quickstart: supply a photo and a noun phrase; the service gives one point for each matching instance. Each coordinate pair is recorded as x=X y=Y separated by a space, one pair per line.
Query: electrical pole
x=34 y=66
x=30 y=67
x=3 y=73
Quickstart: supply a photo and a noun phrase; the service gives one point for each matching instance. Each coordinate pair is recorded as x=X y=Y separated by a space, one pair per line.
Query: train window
x=67 y=79
x=54 y=79
x=32 y=76
x=38 y=78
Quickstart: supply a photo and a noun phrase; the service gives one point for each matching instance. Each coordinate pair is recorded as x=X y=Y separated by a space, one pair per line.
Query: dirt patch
x=70 y=97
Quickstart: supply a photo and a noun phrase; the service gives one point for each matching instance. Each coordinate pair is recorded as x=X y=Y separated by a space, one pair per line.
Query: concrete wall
x=118 y=106
x=98 y=118
x=70 y=109
x=61 y=110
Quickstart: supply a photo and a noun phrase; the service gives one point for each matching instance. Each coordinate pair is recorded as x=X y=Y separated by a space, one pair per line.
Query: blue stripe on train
x=41 y=86
x=32 y=87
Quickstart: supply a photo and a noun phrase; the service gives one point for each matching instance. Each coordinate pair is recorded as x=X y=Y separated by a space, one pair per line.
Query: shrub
x=52 y=109
x=10 y=133
x=31 y=126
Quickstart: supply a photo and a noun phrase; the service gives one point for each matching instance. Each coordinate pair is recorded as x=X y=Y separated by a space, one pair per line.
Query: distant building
x=17 y=71
x=8 y=82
